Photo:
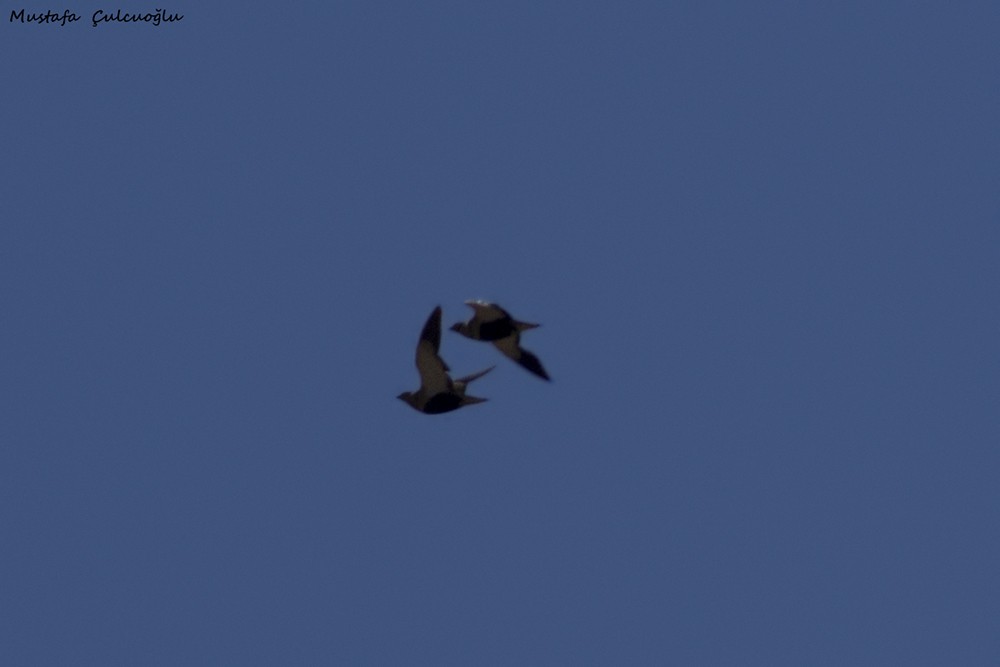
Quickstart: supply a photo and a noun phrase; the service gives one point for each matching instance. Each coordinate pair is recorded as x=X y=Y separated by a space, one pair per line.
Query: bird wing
x=511 y=347
x=431 y=333
x=474 y=376
x=487 y=312
x=532 y=363
x=433 y=371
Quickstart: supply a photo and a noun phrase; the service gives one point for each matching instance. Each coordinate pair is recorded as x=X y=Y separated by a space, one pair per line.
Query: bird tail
x=472 y=400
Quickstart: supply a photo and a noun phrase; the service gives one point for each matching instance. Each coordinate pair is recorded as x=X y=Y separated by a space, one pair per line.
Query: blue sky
x=763 y=243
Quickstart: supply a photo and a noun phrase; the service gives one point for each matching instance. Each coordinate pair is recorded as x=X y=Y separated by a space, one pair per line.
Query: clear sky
x=763 y=242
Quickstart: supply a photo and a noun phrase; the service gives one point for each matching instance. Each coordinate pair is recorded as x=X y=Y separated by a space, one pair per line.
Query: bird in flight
x=438 y=393
x=492 y=323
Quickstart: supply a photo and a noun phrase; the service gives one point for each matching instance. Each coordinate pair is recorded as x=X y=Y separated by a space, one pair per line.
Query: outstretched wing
x=531 y=362
x=431 y=333
x=511 y=347
x=433 y=371
x=469 y=378
x=487 y=312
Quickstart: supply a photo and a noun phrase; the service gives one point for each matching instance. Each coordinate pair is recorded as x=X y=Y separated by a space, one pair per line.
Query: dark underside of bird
x=438 y=393
x=493 y=324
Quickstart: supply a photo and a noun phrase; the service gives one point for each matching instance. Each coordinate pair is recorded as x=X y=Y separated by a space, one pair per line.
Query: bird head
x=410 y=399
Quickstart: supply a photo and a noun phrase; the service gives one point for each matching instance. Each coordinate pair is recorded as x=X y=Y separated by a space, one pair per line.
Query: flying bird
x=492 y=323
x=438 y=393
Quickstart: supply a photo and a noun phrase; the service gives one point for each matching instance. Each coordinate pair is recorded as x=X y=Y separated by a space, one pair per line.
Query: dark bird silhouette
x=492 y=323
x=438 y=393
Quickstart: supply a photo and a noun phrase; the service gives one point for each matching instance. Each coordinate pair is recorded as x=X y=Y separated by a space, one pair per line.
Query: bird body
x=493 y=324
x=438 y=393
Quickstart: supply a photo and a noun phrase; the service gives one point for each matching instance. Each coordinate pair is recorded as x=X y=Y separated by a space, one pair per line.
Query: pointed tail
x=472 y=400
